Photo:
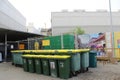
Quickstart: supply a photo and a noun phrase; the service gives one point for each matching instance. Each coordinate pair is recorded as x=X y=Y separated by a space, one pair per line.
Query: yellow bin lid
x=47 y=56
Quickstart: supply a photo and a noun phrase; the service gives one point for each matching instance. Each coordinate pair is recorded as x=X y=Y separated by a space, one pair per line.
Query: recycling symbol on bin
x=24 y=61
x=37 y=62
x=62 y=64
x=30 y=62
x=45 y=63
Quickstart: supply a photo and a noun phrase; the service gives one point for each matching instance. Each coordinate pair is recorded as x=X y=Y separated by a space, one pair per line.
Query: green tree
x=78 y=30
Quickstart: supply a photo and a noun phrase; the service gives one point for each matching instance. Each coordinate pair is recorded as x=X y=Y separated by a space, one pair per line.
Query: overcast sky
x=39 y=11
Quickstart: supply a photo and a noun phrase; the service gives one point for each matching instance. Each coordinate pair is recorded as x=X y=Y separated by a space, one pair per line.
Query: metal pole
x=62 y=46
x=5 y=47
x=45 y=29
x=28 y=43
x=111 y=23
x=111 y=26
x=18 y=44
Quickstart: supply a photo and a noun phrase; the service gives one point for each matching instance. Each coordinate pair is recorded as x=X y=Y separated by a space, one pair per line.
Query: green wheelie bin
x=53 y=67
x=64 y=67
x=31 y=64
x=25 y=63
x=38 y=65
x=45 y=66
x=92 y=59
x=75 y=63
x=17 y=59
x=84 y=61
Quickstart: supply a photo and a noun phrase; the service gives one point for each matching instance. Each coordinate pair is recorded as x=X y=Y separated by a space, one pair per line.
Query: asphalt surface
x=102 y=72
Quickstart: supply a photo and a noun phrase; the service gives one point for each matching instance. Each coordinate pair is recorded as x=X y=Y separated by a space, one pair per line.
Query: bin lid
x=43 y=51
x=28 y=56
x=53 y=51
x=52 y=56
x=17 y=51
x=92 y=51
x=71 y=50
x=47 y=56
x=59 y=57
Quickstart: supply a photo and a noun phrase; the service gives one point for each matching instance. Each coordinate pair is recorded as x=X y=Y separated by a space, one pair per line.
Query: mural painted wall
x=116 y=44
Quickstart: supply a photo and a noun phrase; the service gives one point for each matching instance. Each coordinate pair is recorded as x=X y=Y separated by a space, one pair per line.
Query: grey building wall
x=10 y=17
x=91 y=22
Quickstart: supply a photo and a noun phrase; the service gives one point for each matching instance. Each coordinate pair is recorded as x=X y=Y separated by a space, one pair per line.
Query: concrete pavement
x=102 y=72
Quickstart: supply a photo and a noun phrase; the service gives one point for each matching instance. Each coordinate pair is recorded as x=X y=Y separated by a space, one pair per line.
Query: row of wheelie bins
x=78 y=62
x=63 y=66
x=53 y=65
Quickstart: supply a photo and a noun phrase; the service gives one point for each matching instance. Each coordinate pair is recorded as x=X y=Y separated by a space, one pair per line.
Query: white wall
x=10 y=17
x=91 y=22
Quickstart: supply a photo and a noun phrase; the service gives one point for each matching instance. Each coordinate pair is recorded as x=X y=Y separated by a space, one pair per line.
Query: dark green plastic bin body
x=64 y=68
x=45 y=66
x=38 y=65
x=53 y=67
x=92 y=59
x=25 y=64
x=75 y=62
x=17 y=58
x=31 y=65
x=84 y=61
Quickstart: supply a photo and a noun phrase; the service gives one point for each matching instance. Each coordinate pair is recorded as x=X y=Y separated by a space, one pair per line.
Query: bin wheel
x=82 y=70
x=74 y=73
x=78 y=72
x=87 y=69
x=12 y=63
x=16 y=65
